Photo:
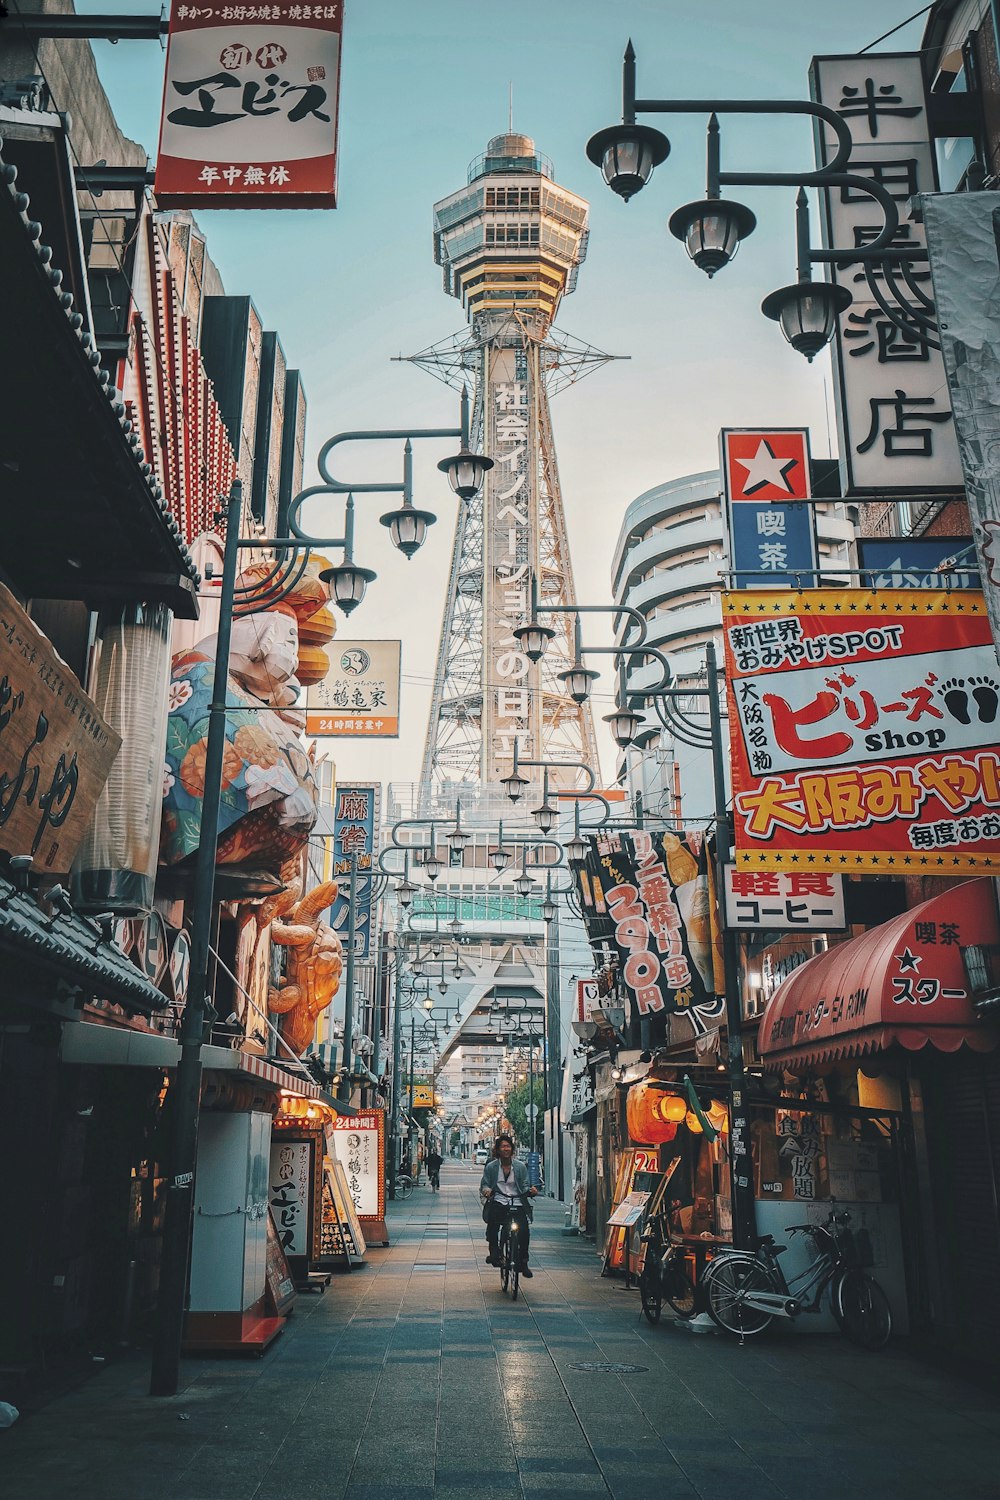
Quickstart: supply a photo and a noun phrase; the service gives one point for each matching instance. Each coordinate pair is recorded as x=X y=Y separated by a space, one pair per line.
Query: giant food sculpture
x=313 y=965
x=268 y=788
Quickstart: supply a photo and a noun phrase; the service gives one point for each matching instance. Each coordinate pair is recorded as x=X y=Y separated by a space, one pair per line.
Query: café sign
x=56 y=751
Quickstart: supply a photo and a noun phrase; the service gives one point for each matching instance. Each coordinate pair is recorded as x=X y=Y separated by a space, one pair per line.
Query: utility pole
x=394 y=1086
x=344 y=1088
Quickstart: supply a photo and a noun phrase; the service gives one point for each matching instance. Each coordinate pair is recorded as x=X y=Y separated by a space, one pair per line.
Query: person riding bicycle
x=505 y=1186
x=432 y=1161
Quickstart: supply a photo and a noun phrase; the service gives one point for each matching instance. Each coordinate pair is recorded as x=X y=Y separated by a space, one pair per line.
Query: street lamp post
x=347 y=1061
x=465 y=472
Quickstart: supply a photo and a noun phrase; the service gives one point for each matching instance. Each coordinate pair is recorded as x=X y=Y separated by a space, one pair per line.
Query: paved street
x=414 y=1378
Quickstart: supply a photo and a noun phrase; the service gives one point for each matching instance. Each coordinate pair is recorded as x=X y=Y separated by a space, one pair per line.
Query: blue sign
x=768 y=542
x=916 y=562
x=355 y=832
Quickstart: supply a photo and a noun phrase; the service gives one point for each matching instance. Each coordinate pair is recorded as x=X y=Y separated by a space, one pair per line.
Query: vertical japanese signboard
x=355 y=832
x=359 y=696
x=656 y=890
x=510 y=697
x=293 y=1187
x=361 y=1149
x=864 y=731
x=893 y=411
x=962 y=238
x=765 y=477
x=250 y=103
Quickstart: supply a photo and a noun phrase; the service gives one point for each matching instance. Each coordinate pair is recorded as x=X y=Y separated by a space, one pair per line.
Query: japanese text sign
x=360 y=693
x=423 y=1096
x=587 y=999
x=784 y=900
x=893 y=411
x=361 y=1151
x=655 y=886
x=56 y=750
x=863 y=731
x=766 y=479
x=250 y=103
x=291 y=1194
x=355 y=832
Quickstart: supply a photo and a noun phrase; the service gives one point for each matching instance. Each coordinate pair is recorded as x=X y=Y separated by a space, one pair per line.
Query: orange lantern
x=673 y=1107
x=693 y=1123
x=646 y=1123
x=718 y=1115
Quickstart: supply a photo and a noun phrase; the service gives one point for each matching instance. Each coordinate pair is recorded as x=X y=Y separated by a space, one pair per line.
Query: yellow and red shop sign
x=865 y=730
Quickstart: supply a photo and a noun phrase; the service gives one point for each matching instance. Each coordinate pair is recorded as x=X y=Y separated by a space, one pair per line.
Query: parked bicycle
x=664 y=1276
x=746 y=1290
x=404 y=1185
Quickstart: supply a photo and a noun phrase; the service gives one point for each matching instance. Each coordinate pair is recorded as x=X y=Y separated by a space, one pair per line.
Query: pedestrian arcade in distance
x=891 y=1040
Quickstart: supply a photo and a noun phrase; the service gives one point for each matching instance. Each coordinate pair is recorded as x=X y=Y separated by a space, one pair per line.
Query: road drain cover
x=610 y=1369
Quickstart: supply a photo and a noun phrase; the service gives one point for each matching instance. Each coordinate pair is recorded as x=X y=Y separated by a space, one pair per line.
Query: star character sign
x=761 y=465
x=766 y=479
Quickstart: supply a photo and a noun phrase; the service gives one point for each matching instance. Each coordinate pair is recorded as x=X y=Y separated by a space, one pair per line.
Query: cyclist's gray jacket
x=491 y=1173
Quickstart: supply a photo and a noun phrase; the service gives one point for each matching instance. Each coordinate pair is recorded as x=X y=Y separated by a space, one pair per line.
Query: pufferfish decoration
x=269 y=805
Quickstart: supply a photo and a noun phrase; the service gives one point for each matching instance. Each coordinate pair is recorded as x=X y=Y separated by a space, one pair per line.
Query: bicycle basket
x=855 y=1246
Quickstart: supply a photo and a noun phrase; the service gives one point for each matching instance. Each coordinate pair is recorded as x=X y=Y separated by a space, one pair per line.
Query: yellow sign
x=423 y=1096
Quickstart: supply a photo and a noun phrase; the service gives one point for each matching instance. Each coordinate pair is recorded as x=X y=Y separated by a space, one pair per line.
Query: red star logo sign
x=761 y=465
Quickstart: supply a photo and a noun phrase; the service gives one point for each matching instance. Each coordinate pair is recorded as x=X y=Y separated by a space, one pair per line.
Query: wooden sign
x=56 y=751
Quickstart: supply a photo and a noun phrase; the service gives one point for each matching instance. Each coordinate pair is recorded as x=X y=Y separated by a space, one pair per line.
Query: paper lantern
x=673 y=1107
x=693 y=1123
x=646 y=1124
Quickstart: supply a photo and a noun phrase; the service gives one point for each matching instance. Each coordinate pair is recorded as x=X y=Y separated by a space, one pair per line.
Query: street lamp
x=405 y=893
x=431 y=864
x=624 y=725
x=515 y=783
x=458 y=839
x=548 y=910
x=534 y=639
x=713 y=227
x=499 y=857
x=466 y=471
x=578 y=680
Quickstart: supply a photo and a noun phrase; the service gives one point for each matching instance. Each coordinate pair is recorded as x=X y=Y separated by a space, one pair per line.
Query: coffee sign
x=56 y=751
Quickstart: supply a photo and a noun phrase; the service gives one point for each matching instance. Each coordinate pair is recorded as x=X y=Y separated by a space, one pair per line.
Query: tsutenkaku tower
x=510 y=244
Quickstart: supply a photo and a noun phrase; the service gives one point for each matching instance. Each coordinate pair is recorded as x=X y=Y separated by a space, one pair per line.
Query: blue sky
x=424 y=86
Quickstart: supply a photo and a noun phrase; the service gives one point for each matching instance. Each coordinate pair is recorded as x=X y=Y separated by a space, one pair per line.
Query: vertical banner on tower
x=962 y=230
x=863 y=729
x=765 y=476
x=511 y=709
x=893 y=410
x=250 y=102
x=357 y=807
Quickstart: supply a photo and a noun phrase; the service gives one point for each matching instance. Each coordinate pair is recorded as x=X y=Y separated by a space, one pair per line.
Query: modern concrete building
x=669 y=564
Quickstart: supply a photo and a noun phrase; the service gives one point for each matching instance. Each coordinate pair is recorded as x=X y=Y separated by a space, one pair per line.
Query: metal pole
x=741 y=1166
x=394 y=1092
x=381 y=989
x=344 y=1087
x=185 y=1094
x=409 y=1118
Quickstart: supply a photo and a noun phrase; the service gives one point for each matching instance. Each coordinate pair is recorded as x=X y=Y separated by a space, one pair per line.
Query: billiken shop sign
x=250 y=104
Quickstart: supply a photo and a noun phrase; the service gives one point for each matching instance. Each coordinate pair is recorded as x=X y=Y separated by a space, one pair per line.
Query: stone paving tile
x=402 y=1383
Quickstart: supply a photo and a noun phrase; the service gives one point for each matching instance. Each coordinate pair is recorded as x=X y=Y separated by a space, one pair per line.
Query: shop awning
x=902 y=982
x=81 y=512
x=56 y=961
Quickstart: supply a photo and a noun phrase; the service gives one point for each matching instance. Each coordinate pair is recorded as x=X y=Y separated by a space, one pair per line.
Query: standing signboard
x=359 y=696
x=250 y=103
x=962 y=242
x=863 y=731
x=360 y=1144
x=766 y=481
x=355 y=832
x=893 y=411
x=56 y=750
x=294 y=1182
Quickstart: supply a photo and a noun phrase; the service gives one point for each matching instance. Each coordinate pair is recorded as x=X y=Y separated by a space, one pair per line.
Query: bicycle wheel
x=514 y=1267
x=678 y=1288
x=863 y=1309
x=404 y=1186
x=729 y=1283
x=649 y=1290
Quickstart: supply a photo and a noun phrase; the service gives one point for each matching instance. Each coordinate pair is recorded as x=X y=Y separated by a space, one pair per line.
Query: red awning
x=903 y=982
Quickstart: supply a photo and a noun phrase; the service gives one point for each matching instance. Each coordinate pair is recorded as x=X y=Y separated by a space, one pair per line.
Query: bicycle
x=404 y=1185
x=434 y=1181
x=664 y=1275
x=509 y=1245
x=746 y=1290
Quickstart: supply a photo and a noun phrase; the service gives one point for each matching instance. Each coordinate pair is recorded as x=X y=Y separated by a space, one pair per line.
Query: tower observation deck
x=510 y=244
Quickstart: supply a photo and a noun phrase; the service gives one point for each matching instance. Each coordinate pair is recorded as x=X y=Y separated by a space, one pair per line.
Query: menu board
x=281 y=1291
